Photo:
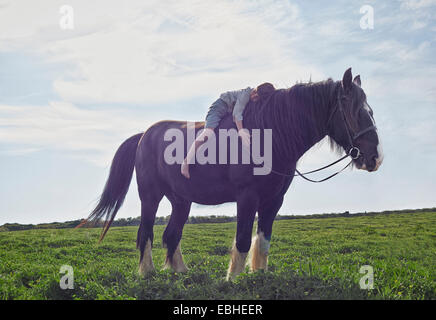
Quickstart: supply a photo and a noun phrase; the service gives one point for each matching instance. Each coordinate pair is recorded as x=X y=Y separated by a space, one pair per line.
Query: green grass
x=309 y=259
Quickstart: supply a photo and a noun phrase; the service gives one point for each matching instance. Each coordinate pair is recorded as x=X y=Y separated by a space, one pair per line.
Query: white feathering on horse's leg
x=176 y=263
x=258 y=259
x=237 y=263
x=146 y=265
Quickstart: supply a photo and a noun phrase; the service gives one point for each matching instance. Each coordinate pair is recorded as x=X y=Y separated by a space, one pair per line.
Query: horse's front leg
x=261 y=242
x=247 y=205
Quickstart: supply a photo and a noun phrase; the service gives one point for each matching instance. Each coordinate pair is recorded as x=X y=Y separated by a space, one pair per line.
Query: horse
x=298 y=117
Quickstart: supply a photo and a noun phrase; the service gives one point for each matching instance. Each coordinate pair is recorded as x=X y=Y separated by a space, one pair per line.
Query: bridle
x=353 y=151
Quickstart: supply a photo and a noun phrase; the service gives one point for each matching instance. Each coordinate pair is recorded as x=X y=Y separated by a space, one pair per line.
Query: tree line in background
x=122 y=222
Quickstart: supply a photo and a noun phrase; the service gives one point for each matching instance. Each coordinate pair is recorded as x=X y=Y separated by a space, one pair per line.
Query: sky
x=70 y=96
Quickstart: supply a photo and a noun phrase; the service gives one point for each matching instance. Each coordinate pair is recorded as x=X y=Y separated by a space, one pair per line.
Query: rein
x=313 y=171
x=354 y=152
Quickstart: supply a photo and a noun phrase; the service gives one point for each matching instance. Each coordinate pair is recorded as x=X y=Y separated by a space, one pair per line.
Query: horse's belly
x=207 y=193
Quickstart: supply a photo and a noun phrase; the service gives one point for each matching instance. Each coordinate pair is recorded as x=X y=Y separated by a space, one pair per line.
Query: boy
x=229 y=102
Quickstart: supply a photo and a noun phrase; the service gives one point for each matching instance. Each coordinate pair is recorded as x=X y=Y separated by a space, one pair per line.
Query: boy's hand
x=245 y=136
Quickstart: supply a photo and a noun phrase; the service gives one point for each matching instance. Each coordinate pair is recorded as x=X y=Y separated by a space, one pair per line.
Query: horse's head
x=352 y=126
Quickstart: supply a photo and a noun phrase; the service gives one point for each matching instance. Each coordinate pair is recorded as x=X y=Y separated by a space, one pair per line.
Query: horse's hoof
x=176 y=269
x=144 y=272
x=231 y=276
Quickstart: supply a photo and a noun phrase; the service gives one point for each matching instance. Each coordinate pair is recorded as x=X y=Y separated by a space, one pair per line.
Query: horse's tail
x=117 y=184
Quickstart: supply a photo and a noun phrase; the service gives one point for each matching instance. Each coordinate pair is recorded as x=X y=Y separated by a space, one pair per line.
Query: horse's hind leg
x=173 y=233
x=149 y=204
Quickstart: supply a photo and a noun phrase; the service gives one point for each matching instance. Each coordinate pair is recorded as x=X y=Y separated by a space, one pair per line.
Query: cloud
x=86 y=134
x=399 y=50
x=146 y=54
x=19 y=151
x=158 y=51
x=417 y=4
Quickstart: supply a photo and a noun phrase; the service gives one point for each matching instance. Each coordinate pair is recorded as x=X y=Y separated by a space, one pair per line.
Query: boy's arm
x=239 y=124
x=241 y=102
x=243 y=133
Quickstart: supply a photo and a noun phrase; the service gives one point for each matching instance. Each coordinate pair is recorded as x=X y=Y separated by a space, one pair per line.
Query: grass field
x=309 y=259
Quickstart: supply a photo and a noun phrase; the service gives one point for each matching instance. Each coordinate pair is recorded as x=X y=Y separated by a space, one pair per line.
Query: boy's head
x=262 y=91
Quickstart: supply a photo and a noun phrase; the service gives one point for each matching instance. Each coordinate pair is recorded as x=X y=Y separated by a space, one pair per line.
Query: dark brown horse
x=299 y=117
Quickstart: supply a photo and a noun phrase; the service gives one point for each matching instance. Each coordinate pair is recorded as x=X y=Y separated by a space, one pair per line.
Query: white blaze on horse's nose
x=368 y=109
x=380 y=156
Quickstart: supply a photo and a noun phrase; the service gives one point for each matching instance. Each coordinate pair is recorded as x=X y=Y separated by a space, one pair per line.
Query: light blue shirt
x=236 y=101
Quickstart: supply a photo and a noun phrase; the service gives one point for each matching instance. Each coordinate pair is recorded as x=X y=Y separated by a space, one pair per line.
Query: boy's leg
x=193 y=149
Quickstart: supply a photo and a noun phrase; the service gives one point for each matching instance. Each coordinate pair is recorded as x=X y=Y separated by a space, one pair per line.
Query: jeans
x=218 y=110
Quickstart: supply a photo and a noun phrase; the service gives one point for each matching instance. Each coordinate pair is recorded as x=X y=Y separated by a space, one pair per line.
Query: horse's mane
x=294 y=115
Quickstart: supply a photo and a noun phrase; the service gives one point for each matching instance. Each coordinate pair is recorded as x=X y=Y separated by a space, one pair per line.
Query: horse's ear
x=357 y=80
x=346 y=80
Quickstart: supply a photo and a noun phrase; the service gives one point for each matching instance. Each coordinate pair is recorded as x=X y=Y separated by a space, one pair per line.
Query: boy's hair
x=265 y=89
